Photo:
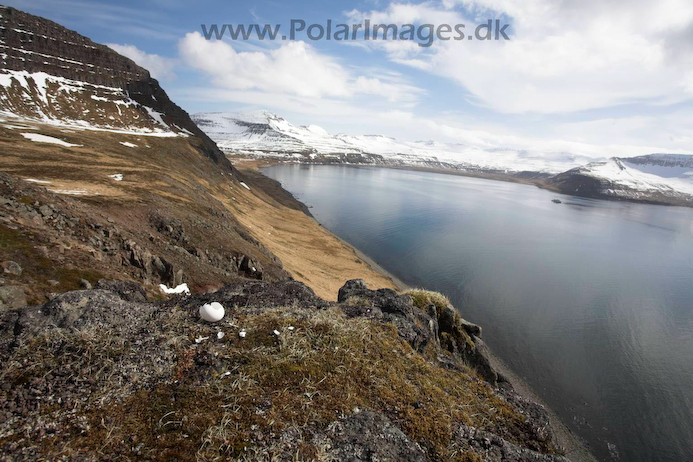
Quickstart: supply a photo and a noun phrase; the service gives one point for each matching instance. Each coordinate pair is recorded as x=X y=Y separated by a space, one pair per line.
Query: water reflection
x=590 y=301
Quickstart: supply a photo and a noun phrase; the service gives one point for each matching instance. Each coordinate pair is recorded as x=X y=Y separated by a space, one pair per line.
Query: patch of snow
x=127 y=144
x=242 y=334
x=276 y=332
x=181 y=289
x=245 y=186
x=70 y=192
x=157 y=116
x=117 y=176
x=31 y=180
x=37 y=138
x=220 y=335
x=201 y=339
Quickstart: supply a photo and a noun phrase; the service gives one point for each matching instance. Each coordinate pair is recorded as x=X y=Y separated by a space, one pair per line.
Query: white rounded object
x=212 y=312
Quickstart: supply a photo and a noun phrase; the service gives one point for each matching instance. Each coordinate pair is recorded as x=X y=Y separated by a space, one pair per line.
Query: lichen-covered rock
x=370 y=436
x=12 y=297
x=11 y=267
x=127 y=290
x=84 y=308
x=350 y=288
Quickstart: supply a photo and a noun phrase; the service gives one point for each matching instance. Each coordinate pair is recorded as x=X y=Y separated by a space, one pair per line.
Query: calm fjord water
x=590 y=301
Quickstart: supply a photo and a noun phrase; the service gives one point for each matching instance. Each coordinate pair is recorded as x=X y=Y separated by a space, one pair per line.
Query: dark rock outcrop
x=419 y=327
x=413 y=325
x=493 y=448
x=254 y=295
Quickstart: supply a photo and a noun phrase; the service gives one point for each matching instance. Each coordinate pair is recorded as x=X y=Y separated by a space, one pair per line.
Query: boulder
x=250 y=267
x=351 y=288
x=129 y=291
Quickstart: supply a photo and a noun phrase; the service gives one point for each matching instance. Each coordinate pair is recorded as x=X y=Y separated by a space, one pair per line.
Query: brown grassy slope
x=170 y=177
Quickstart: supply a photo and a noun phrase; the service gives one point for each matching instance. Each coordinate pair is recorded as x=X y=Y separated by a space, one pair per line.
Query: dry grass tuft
x=422 y=298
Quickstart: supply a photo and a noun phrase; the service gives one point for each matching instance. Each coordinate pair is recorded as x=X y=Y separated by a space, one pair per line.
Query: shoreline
x=576 y=449
x=538 y=182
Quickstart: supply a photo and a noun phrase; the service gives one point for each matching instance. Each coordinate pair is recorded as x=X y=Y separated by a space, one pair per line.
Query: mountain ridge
x=656 y=178
x=35 y=47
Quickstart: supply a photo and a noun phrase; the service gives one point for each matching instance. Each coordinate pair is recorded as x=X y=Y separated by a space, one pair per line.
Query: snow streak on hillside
x=59 y=101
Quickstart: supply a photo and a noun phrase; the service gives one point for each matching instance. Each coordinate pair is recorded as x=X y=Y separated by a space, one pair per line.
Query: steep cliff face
x=56 y=75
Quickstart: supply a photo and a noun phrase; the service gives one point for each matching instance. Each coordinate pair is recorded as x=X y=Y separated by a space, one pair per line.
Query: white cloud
x=159 y=67
x=563 y=56
x=295 y=68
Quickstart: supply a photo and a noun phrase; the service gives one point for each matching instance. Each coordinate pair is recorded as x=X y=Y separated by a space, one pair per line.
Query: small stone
x=242 y=334
x=11 y=267
x=45 y=211
x=84 y=284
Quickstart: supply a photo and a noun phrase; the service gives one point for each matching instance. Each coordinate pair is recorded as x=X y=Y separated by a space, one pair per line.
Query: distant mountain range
x=656 y=178
x=263 y=134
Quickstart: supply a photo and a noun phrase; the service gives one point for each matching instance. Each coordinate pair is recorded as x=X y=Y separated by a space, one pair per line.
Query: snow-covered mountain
x=263 y=134
x=659 y=178
x=665 y=178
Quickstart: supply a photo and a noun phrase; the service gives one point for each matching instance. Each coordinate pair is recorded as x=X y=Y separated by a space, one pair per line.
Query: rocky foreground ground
x=104 y=374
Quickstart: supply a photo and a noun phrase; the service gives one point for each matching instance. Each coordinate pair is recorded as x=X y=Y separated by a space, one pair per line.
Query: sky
x=597 y=78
